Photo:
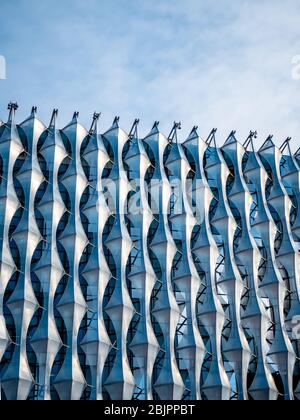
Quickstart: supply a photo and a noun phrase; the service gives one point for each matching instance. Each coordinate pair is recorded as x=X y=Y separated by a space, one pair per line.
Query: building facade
x=146 y=269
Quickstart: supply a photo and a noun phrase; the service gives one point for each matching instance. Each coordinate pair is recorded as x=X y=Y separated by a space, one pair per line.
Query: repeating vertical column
x=211 y=317
x=70 y=381
x=279 y=351
x=150 y=269
x=297 y=157
x=120 y=383
x=46 y=341
x=10 y=149
x=235 y=347
x=18 y=379
x=190 y=345
x=286 y=254
x=96 y=343
x=290 y=172
x=142 y=276
x=169 y=385
x=249 y=260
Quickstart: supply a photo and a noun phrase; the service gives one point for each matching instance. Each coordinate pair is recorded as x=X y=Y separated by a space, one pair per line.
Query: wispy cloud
x=225 y=63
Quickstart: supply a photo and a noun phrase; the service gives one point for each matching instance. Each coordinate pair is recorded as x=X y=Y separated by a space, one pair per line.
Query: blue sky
x=221 y=63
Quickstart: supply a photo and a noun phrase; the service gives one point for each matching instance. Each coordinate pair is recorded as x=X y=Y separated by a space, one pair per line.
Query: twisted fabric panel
x=147 y=268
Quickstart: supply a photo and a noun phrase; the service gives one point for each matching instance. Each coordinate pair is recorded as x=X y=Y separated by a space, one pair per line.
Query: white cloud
x=223 y=64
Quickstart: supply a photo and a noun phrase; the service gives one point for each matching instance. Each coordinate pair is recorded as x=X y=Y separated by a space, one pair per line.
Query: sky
x=223 y=64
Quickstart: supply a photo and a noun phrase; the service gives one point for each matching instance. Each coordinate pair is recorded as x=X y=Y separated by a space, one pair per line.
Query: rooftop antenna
x=194 y=130
x=252 y=135
x=212 y=137
x=96 y=117
x=116 y=120
x=134 y=130
x=173 y=134
x=286 y=144
x=265 y=144
x=228 y=140
x=155 y=125
x=12 y=107
x=53 y=118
